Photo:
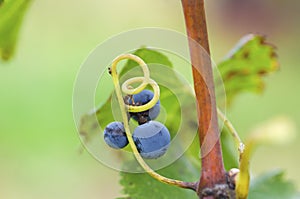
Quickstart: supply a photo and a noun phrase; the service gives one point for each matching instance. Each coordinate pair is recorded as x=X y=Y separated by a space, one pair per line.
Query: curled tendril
x=145 y=81
x=127 y=89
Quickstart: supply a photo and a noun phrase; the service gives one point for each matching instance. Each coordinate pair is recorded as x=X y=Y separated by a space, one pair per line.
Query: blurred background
x=38 y=140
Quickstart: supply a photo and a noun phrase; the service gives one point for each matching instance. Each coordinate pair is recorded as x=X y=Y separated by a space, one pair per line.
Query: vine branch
x=212 y=171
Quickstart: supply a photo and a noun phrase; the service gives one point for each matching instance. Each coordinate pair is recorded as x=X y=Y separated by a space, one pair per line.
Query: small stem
x=128 y=90
x=234 y=133
x=212 y=171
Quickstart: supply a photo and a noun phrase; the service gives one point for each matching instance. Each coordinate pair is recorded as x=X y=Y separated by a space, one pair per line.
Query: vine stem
x=212 y=171
x=128 y=90
x=240 y=145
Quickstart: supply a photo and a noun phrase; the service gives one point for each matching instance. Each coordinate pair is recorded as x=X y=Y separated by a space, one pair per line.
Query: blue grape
x=152 y=139
x=140 y=99
x=115 y=136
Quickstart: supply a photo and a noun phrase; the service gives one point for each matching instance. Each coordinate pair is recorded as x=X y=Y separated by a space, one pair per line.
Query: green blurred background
x=38 y=140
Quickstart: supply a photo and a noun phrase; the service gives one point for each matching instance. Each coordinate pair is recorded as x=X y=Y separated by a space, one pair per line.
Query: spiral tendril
x=127 y=89
x=145 y=81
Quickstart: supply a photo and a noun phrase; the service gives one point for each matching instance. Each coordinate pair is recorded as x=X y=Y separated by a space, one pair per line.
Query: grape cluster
x=151 y=138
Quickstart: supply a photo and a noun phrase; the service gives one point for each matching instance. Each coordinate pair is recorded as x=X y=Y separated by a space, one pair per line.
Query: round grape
x=140 y=99
x=152 y=139
x=115 y=136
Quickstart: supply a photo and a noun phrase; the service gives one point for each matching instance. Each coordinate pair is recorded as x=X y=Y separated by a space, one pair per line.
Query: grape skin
x=152 y=139
x=140 y=99
x=115 y=136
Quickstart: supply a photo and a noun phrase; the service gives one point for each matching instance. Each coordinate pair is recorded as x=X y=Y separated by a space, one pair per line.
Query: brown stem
x=212 y=171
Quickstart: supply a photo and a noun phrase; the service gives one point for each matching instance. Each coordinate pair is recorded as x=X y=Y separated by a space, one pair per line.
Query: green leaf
x=89 y=122
x=11 y=16
x=243 y=68
x=272 y=185
x=142 y=186
x=149 y=56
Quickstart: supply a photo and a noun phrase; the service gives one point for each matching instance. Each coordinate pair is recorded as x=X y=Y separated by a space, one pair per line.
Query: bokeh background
x=38 y=140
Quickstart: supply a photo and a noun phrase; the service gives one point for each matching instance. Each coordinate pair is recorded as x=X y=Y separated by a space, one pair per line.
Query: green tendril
x=240 y=145
x=127 y=89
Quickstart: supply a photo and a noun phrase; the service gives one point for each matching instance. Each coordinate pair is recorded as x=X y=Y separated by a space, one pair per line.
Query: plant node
x=219 y=191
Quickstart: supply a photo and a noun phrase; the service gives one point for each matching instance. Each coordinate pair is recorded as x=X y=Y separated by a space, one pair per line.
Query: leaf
x=89 y=122
x=149 y=56
x=243 y=68
x=272 y=185
x=11 y=16
x=142 y=186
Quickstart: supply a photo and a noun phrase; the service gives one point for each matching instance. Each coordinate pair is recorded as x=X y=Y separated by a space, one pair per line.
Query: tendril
x=129 y=90
x=240 y=145
x=145 y=81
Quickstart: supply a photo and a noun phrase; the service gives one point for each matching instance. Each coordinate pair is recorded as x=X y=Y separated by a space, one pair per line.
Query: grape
x=115 y=136
x=152 y=139
x=140 y=99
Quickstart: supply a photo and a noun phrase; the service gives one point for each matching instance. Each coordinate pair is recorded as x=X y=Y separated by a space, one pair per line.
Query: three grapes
x=151 y=138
